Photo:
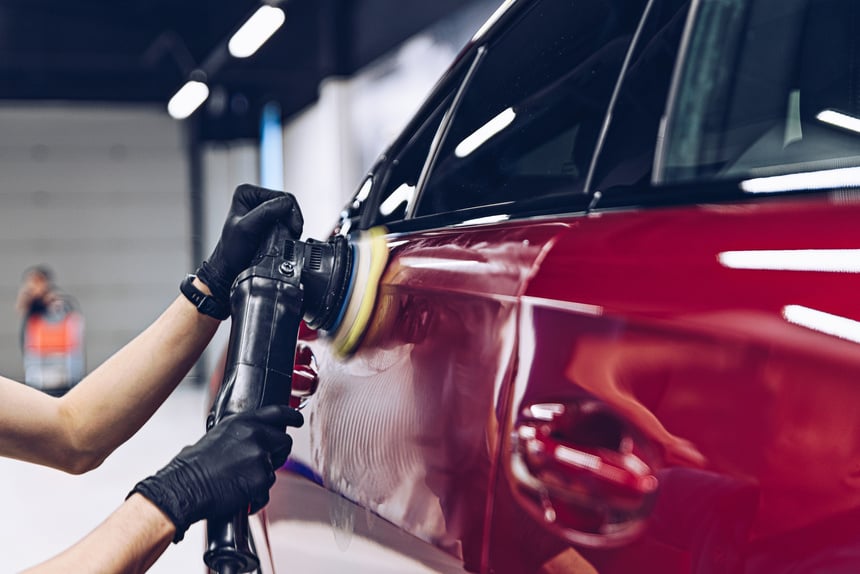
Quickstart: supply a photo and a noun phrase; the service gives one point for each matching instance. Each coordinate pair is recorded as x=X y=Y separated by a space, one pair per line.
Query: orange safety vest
x=54 y=350
x=51 y=336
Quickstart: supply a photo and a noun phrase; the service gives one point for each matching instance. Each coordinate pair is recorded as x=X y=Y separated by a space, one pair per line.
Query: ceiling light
x=255 y=31
x=187 y=99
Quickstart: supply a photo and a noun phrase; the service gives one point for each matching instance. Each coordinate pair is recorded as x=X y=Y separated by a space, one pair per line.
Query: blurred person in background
x=229 y=470
x=52 y=333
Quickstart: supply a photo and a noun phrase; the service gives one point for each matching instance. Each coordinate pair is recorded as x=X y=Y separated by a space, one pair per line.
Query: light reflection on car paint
x=760 y=456
x=749 y=410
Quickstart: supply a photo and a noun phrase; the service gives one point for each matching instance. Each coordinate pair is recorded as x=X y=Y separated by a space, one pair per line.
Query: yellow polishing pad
x=370 y=253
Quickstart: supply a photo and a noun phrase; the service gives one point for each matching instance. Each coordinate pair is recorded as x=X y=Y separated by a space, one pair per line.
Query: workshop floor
x=44 y=510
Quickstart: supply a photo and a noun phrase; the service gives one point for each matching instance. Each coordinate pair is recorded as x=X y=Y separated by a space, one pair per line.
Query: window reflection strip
x=442 y=131
x=607 y=118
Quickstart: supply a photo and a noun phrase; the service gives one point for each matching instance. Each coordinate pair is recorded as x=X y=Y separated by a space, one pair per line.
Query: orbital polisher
x=332 y=285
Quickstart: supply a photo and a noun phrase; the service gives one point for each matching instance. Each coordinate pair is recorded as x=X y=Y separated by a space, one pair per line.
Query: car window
x=767 y=88
x=350 y=216
x=529 y=118
x=626 y=156
x=399 y=183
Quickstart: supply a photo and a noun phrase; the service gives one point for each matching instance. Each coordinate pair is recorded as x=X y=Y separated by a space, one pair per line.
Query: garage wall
x=225 y=166
x=101 y=196
x=320 y=166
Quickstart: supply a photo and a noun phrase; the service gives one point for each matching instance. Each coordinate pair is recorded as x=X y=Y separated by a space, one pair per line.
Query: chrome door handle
x=583 y=471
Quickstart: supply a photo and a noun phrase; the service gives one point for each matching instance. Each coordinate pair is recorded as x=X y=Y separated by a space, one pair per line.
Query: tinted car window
x=627 y=153
x=351 y=214
x=400 y=182
x=528 y=121
x=766 y=88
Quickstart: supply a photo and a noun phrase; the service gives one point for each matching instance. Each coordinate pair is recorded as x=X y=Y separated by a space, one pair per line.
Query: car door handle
x=583 y=470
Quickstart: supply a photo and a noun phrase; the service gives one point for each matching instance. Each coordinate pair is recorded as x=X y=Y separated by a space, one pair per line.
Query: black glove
x=252 y=212
x=226 y=471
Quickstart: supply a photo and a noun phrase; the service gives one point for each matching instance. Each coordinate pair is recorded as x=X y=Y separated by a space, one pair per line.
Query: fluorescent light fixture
x=255 y=31
x=398 y=197
x=829 y=178
x=187 y=99
x=485 y=132
x=817 y=260
x=822 y=322
x=839 y=119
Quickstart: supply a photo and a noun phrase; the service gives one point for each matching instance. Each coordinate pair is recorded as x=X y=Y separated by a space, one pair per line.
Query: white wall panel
x=320 y=166
x=100 y=194
x=225 y=166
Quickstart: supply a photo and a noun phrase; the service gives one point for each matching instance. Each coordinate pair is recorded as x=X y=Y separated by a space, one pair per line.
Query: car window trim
x=470 y=217
x=388 y=159
x=442 y=131
x=379 y=172
x=357 y=221
x=674 y=87
x=607 y=117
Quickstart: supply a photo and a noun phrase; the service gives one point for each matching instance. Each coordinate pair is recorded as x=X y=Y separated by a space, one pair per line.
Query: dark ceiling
x=144 y=50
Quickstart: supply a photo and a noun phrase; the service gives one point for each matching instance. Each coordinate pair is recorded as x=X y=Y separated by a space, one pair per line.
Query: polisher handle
x=267 y=312
x=266 y=307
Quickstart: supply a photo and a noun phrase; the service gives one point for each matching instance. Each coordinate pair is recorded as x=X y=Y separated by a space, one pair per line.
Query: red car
x=618 y=328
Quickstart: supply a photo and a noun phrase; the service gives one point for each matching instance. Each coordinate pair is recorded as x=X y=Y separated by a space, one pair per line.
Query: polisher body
x=332 y=287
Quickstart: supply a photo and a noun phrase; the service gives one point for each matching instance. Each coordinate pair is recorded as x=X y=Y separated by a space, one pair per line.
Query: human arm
x=23 y=299
x=129 y=540
x=77 y=431
x=229 y=469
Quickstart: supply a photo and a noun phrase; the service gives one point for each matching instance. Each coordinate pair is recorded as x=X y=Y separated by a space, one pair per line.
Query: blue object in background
x=271 y=147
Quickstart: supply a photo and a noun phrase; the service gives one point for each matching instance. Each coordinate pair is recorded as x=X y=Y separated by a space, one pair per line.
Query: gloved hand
x=252 y=212
x=226 y=471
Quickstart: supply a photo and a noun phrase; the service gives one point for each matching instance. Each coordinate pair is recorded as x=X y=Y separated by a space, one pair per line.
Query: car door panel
x=717 y=335
x=408 y=427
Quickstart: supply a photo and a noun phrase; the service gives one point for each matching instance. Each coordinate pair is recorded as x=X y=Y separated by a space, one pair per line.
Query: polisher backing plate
x=370 y=256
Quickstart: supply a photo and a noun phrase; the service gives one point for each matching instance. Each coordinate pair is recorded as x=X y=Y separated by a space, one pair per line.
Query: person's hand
x=252 y=212
x=227 y=471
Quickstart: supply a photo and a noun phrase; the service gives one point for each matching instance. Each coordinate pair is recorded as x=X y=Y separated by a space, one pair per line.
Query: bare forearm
x=118 y=397
x=129 y=541
x=75 y=433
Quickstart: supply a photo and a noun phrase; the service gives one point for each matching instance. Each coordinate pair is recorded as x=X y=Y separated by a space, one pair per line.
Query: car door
x=409 y=426
x=679 y=406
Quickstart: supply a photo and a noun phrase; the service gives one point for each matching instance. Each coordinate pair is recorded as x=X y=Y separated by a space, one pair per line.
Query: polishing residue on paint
x=342 y=518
